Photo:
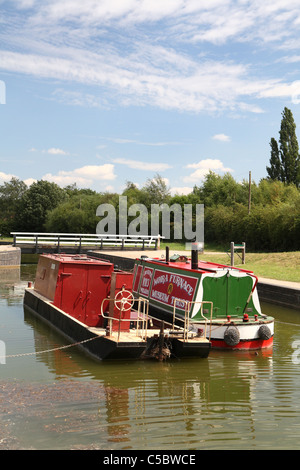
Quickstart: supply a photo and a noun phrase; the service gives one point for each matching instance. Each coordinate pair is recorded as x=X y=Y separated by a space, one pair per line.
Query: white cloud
x=65 y=178
x=5 y=177
x=181 y=190
x=140 y=165
x=210 y=163
x=51 y=151
x=203 y=167
x=56 y=151
x=97 y=172
x=24 y=3
x=85 y=176
x=222 y=137
x=29 y=181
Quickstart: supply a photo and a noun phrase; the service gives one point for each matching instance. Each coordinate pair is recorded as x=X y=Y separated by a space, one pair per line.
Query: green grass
x=281 y=266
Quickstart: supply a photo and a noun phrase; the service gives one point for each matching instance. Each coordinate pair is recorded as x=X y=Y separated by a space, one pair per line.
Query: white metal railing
x=82 y=239
x=186 y=318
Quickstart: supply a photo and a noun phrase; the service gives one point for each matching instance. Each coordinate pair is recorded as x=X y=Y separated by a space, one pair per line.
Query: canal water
x=56 y=398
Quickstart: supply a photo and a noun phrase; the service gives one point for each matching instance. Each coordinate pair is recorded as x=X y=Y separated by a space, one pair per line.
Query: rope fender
x=232 y=336
x=264 y=332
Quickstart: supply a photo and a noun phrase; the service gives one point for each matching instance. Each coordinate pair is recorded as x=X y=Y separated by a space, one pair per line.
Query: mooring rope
x=50 y=350
x=95 y=337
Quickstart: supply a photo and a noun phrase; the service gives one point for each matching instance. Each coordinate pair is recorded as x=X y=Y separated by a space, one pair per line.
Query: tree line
x=272 y=224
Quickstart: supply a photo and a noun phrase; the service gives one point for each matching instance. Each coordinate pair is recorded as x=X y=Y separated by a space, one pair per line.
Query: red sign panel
x=137 y=278
x=146 y=281
x=167 y=286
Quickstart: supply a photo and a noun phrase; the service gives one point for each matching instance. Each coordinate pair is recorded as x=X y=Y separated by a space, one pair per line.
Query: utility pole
x=249 y=196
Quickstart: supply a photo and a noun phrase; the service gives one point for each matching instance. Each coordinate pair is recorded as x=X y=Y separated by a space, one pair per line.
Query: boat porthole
x=232 y=336
x=264 y=332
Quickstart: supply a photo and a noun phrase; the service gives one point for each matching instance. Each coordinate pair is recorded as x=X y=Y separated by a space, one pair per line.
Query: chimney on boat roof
x=167 y=254
x=194 y=255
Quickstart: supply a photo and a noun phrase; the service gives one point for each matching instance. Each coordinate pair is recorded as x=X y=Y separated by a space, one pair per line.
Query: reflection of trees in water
x=11 y=288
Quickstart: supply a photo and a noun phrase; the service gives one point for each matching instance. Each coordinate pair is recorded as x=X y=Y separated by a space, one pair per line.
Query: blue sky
x=109 y=91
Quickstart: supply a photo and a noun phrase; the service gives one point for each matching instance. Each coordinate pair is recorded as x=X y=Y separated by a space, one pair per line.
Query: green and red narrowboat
x=225 y=296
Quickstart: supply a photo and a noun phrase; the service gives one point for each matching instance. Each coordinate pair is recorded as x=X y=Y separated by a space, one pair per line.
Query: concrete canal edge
x=283 y=293
x=279 y=292
x=10 y=256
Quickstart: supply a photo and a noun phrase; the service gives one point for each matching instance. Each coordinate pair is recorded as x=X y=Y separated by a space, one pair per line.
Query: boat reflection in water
x=156 y=404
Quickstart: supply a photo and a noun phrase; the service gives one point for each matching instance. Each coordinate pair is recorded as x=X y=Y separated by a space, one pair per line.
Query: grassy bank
x=282 y=266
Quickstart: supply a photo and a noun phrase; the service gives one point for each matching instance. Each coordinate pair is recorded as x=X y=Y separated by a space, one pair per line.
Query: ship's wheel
x=122 y=302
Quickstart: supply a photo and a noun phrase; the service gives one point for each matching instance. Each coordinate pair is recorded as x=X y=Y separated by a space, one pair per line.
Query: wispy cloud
x=51 y=151
x=140 y=142
x=138 y=66
x=210 y=86
x=141 y=165
x=208 y=20
x=213 y=21
x=76 y=98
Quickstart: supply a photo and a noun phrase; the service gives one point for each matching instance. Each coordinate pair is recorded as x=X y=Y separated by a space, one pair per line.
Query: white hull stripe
x=247 y=331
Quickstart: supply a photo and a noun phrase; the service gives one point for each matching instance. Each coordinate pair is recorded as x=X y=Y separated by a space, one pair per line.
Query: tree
x=157 y=191
x=35 y=203
x=10 y=194
x=218 y=189
x=274 y=170
x=134 y=194
x=76 y=215
x=72 y=190
x=285 y=161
